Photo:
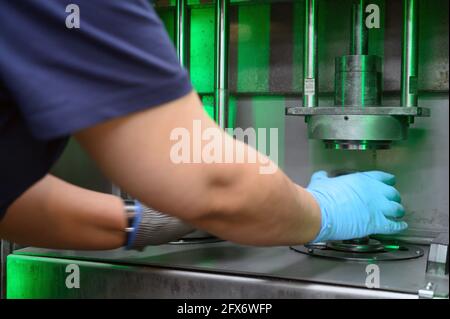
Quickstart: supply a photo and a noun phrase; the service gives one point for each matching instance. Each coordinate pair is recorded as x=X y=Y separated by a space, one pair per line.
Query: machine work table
x=214 y=270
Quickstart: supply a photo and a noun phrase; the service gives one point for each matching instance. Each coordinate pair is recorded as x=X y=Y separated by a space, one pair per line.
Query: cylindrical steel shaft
x=221 y=62
x=357 y=81
x=310 y=69
x=181 y=31
x=409 y=94
x=359 y=44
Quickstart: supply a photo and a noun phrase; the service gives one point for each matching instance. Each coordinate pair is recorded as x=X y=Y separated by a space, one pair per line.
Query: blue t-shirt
x=56 y=80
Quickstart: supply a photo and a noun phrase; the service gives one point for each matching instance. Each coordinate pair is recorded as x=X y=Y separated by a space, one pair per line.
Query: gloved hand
x=357 y=205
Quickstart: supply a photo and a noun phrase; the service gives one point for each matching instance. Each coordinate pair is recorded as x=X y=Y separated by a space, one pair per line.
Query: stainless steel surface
x=276 y=263
x=438 y=256
x=103 y=280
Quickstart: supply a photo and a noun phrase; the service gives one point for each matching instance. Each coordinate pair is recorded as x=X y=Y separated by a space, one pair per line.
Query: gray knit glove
x=152 y=227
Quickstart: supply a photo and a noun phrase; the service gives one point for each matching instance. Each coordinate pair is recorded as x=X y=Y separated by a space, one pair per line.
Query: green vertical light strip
x=253 y=48
x=202 y=54
x=202 y=49
x=254 y=70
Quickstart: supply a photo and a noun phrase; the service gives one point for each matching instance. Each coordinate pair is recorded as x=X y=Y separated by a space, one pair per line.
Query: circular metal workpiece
x=389 y=252
x=366 y=246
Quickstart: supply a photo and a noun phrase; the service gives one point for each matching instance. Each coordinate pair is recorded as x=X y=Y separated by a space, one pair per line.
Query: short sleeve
x=120 y=60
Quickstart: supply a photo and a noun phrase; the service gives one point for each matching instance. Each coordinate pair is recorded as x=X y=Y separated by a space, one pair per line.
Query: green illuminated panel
x=41 y=277
x=202 y=49
x=253 y=48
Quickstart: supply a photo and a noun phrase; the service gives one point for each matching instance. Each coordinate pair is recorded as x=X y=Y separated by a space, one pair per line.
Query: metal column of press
x=310 y=69
x=358 y=75
x=181 y=31
x=359 y=39
x=410 y=66
x=221 y=62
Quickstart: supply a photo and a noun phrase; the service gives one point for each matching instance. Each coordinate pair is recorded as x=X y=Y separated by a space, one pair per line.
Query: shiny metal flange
x=358 y=128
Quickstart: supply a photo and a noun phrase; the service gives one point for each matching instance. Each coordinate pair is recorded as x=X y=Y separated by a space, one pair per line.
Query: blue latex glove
x=357 y=205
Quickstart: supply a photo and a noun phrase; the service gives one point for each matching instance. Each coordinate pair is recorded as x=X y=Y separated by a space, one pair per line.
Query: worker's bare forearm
x=231 y=200
x=56 y=214
x=263 y=210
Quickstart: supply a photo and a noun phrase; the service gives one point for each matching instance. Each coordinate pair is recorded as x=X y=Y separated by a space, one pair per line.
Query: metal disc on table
x=357 y=246
x=389 y=252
